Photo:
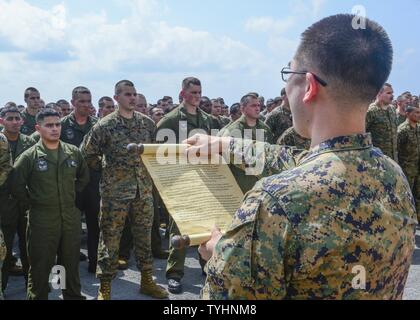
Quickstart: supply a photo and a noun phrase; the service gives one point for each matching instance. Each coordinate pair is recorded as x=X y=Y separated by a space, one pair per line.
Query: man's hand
x=206 y=249
x=204 y=145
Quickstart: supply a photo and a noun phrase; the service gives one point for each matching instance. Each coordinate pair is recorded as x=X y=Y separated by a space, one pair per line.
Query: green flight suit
x=5 y=167
x=47 y=181
x=240 y=129
x=13 y=213
x=181 y=125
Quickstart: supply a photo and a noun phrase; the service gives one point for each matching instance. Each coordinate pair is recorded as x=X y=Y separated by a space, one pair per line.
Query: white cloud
x=28 y=27
x=268 y=24
x=317 y=6
x=52 y=48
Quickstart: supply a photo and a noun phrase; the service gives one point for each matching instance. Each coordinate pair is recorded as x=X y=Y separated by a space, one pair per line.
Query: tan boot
x=150 y=288
x=104 y=292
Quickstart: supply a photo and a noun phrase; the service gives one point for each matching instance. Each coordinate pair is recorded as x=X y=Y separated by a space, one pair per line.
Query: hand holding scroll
x=206 y=249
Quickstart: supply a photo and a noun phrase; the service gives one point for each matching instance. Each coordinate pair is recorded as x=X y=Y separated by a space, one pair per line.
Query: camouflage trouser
x=111 y=224
x=2 y=257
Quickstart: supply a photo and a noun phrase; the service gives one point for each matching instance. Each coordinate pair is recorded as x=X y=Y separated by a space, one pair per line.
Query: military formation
x=339 y=186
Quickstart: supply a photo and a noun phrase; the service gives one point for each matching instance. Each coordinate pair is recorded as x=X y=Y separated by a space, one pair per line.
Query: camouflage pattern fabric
x=291 y=138
x=124 y=182
x=299 y=234
x=409 y=157
x=279 y=120
x=105 y=147
x=382 y=125
x=409 y=150
x=400 y=119
x=240 y=129
x=111 y=223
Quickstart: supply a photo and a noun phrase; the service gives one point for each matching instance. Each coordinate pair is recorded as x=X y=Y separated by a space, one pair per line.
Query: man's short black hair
x=62 y=101
x=10 y=104
x=278 y=100
x=9 y=109
x=79 y=90
x=45 y=113
x=101 y=102
x=410 y=109
x=51 y=105
x=283 y=92
x=28 y=91
x=247 y=98
x=235 y=108
x=385 y=86
x=354 y=62
x=190 y=81
x=123 y=83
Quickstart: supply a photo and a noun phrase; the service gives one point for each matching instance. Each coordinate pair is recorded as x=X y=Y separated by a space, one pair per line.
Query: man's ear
x=37 y=127
x=312 y=88
x=1 y=121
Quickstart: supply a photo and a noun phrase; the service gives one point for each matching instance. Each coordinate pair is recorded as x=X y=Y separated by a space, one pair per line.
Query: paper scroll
x=197 y=196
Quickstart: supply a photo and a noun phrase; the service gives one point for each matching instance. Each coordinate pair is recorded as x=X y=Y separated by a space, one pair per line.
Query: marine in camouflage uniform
x=409 y=157
x=14 y=214
x=180 y=122
x=126 y=190
x=240 y=129
x=383 y=125
x=299 y=234
x=279 y=120
x=401 y=118
x=5 y=168
x=291 y=138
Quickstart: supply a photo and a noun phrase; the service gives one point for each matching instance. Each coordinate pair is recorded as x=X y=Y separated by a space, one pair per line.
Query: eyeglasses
x=286 y=72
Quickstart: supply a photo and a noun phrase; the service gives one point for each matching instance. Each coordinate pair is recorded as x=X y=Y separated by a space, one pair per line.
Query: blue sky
x=233 y=46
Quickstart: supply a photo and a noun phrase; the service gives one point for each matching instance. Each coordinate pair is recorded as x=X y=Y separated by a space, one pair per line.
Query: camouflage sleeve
x=5 y=161
x=19 y=179
x=91 y=148
x=270 y=137
x=248 y=262
x=82 y=173
x=285 y=140
x=269 y=121
x=260 y=159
